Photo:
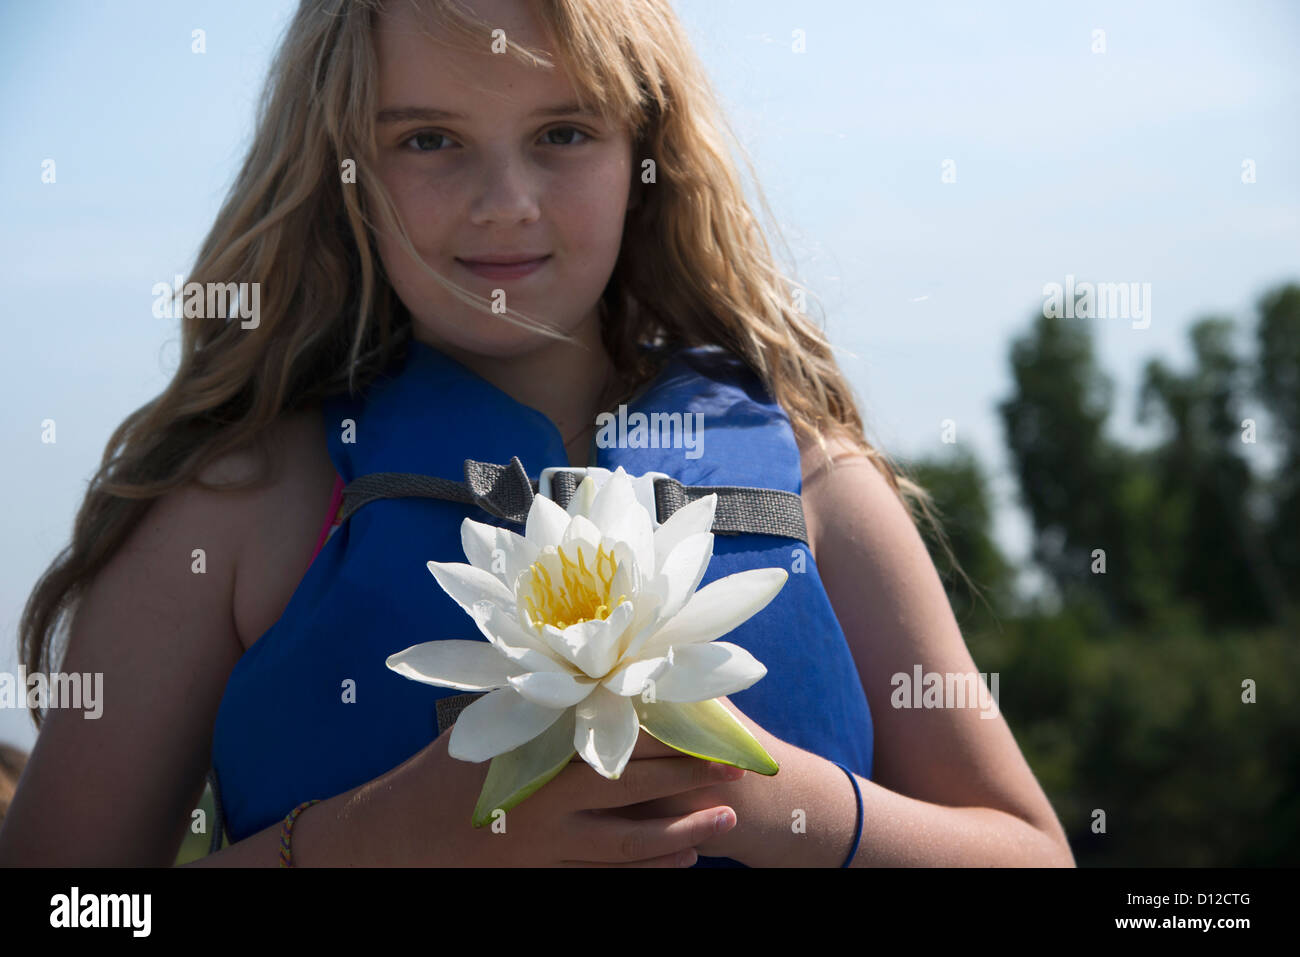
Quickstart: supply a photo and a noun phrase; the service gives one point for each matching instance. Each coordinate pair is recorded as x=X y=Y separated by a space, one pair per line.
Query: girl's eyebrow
x=406 y=114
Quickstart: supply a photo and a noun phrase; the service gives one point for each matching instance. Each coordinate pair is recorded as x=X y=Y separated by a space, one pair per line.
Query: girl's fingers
x=647 y=746
x=583 y=788
x=607 y=838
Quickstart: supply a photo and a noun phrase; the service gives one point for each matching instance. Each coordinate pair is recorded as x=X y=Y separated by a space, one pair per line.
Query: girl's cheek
x=425 y=213
x=416 y=189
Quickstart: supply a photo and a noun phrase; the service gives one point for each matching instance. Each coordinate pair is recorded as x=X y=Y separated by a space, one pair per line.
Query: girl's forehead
x=413 y=30
x=410 y=61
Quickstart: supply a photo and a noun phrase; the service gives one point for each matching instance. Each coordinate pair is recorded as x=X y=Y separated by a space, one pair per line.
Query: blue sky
x=1122 y=166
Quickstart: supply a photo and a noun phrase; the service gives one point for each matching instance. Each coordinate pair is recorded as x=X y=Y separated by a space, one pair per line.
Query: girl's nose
x=506 y=193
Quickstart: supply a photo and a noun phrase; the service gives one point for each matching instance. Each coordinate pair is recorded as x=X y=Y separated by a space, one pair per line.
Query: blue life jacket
x=311 y=710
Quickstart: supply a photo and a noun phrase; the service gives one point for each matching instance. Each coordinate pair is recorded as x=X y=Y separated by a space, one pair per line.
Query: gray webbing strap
x=507 y=492
x=449 y=708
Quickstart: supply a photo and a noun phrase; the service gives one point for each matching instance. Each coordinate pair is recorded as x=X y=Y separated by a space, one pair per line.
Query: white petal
x=605 y=731
x=619 y=515
x=498 y=551
x=645 y=622
x=546 y=522
x=497 y=723
x=553 y=689
x=612 y=499
x=707 y=670
x=455 y=663
x=468 y=585
x=583 y=496
x=629 y=577
x=682 y=570
x=592 y=645
x=478 y=540
x=631 y=678
x=717 y=608
x=515 y=642
x=691 y=519
x=582 y=529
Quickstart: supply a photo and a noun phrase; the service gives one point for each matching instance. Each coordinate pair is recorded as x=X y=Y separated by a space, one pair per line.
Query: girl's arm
x=950 y=785
x=120 y=789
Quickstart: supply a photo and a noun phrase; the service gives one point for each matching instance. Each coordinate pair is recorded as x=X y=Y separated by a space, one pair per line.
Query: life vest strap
x=507 y=492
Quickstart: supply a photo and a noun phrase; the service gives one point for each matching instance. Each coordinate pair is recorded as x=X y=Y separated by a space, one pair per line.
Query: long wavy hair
x=694 y=268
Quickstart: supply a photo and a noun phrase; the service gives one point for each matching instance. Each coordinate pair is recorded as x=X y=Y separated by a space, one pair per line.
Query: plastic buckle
x=544 y=480
x=643 y=485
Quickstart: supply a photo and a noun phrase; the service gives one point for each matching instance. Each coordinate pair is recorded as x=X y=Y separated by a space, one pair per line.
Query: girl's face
x=518 y=172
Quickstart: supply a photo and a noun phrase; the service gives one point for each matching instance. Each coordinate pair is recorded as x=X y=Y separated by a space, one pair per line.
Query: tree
x=1222 y=563
x=1277 y=384
x=1099 y=525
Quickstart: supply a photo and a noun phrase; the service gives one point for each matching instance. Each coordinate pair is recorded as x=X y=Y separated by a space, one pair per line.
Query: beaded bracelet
x=286 y=832
x=858 y=794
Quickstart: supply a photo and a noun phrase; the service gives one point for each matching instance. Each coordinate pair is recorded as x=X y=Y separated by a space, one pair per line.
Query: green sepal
x=515 y=775
x=704 y=729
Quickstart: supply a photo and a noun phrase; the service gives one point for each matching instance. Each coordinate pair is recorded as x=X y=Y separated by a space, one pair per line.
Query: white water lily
x=594 y=630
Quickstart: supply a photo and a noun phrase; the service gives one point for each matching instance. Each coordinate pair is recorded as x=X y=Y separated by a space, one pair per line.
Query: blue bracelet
x=858 y=794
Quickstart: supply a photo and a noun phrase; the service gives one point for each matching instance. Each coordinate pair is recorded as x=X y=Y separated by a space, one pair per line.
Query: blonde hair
x=694 y=267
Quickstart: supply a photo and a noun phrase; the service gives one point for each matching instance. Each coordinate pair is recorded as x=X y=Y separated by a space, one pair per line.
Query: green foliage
x=1277 y=385
x=1178 y=523
x=1150 y=727
x=1128 y=697
x=1201 y=468
x=1074 y=481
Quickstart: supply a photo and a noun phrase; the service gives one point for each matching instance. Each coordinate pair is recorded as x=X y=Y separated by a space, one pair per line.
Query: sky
x=1062 y=158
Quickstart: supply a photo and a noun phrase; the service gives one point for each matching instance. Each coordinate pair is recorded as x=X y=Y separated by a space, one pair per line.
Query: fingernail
x=723 y=821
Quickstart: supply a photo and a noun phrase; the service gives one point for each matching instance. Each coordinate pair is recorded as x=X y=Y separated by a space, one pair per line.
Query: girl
x=470 y=235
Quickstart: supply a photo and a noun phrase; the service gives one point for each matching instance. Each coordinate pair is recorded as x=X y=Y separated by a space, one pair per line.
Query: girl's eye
x=426 y=141
x=568 y=129
x=424 y=137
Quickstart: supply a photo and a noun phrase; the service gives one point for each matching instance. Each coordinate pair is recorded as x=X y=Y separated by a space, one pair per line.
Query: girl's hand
x=569 y=821
x=756 y=798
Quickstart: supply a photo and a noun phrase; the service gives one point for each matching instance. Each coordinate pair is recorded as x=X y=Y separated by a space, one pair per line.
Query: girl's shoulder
x=817 y=475
x=813 y=460
x=279 y=521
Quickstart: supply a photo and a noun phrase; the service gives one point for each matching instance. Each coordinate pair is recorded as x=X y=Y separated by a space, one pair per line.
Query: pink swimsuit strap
x=332 y=517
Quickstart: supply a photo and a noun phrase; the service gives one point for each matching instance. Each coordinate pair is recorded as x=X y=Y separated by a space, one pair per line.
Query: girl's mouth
x=504 y=270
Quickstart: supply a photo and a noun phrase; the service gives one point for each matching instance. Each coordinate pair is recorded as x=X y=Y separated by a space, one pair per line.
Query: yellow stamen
x=582 y=594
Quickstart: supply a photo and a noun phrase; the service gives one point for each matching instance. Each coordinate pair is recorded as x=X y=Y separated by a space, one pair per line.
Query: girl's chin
x=496 y=338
